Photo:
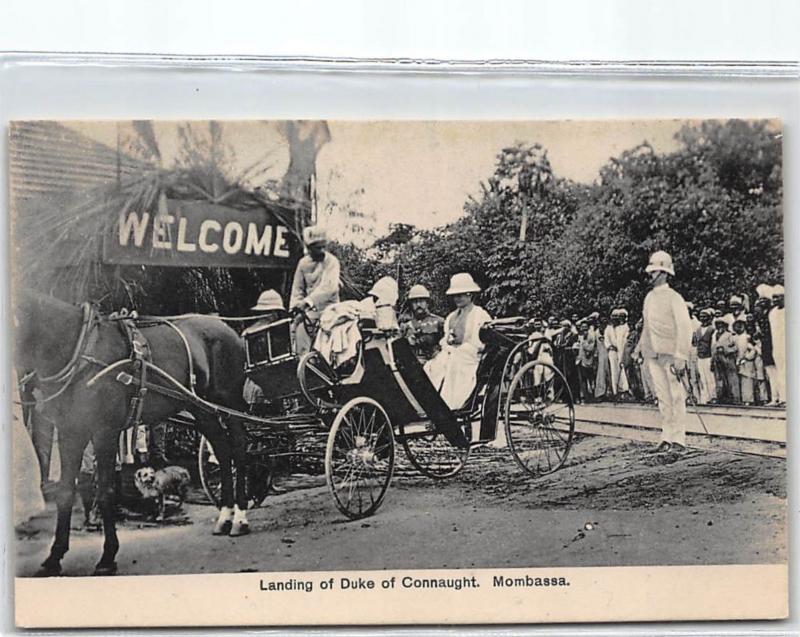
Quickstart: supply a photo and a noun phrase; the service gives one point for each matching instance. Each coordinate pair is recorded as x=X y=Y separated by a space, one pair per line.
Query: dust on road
x=612 y=504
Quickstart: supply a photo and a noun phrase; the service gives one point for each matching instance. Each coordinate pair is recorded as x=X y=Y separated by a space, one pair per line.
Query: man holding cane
x=665 y=344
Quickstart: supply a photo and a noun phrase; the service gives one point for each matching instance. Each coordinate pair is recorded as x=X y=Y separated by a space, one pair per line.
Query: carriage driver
x=270 y=308
x=315 y=286
x=424 y=329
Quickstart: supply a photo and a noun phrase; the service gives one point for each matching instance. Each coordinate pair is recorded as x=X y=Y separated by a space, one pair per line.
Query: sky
x=412 y=171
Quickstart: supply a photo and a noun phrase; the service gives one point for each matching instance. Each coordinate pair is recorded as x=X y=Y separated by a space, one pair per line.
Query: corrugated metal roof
x=47 y=158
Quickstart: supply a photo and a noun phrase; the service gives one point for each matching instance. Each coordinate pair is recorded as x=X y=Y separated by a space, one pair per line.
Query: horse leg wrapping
x=224 y=521
x=240 y=524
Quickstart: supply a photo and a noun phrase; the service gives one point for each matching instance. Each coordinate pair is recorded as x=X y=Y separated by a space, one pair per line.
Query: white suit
x=453 y=370
x=665 y=343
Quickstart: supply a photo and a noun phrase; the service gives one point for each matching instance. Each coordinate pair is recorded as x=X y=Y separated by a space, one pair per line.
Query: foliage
x=714 y=204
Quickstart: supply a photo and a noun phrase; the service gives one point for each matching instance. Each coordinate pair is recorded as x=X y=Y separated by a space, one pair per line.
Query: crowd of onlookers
x=737 y=352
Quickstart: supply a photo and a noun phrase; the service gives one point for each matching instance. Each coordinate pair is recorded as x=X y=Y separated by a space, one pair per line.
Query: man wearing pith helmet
x=424 y=330
x=269 y=308
x=665 y=344
x=315 y=286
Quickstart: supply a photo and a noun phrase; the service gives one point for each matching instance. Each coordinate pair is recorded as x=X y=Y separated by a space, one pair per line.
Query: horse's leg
x=71 y=449
x=211 y=428
x=105 y=445
x=239 y=451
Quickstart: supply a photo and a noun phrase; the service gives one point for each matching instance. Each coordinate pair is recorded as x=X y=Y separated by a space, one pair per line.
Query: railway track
x=749 y=430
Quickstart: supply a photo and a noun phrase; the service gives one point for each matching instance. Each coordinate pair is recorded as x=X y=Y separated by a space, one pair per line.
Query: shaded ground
x=613 y=504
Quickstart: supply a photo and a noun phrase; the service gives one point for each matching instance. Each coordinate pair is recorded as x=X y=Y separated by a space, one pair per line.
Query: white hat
x=418 y=292
x=385 y=290
x=462 y=283
x=269 y=300
x=725 y=318
x=660 y=262
x=690 y=305
x=314 y=234
x=777 y=290
x=764 y=291
x=736 y=298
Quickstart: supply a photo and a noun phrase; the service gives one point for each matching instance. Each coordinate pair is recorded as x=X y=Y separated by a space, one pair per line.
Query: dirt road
x=613 y=504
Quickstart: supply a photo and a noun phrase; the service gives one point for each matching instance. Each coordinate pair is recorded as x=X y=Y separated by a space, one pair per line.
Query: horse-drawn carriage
x=350 y=417
x=97 y=375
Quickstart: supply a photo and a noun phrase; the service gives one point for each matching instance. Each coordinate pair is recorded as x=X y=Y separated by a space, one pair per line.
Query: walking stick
x=691 y=396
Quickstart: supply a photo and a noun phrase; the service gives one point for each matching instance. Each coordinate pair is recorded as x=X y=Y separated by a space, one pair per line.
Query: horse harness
x=139 y=364
x=140 y=356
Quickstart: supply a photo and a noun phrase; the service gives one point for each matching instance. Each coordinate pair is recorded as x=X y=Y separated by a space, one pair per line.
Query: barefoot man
x=665 y=344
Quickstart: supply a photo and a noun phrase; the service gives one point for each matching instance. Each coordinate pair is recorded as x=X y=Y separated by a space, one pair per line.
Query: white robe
x=453 y=370
x=28 y=500
x=616 y=336
x=777 y=326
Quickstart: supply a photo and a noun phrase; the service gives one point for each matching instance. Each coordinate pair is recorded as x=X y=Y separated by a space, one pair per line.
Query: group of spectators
x=737 y=353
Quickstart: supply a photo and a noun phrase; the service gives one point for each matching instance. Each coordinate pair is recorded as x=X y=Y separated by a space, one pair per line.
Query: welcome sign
x=198 y=233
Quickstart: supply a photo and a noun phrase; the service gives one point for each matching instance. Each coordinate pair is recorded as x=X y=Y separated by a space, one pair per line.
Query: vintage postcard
x=398 y=372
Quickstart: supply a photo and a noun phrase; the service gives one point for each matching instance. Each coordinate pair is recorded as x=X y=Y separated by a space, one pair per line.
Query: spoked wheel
x=539 y=418
x=430 y=452
x=257 y=482
x=359 y=458
x=317 y=380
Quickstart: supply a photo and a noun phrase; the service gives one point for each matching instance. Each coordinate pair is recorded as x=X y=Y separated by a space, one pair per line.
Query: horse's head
x=41 y=325
x=24 y=304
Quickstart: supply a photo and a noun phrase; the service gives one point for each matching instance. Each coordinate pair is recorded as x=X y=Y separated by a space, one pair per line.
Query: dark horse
x=59 y=350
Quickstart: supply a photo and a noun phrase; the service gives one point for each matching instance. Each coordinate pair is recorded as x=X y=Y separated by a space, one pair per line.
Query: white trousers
x=708 y=384
x=671 y=399
x=777 y=382
x=619 y=379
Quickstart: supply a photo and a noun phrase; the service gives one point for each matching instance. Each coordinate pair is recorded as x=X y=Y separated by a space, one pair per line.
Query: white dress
x=453 y=370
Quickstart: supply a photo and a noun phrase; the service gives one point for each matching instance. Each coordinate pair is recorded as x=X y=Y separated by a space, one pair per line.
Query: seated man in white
x=453 y=369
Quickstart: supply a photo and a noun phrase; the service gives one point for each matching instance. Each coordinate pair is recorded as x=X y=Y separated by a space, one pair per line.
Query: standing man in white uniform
x=777 y=326
x=665 y=344
x=315 y=286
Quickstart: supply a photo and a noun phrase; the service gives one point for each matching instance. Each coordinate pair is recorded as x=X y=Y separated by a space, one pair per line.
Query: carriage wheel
x=317 y=380
x=258 y=479
x=359 y=458
x=430 y=452
x=539 y=418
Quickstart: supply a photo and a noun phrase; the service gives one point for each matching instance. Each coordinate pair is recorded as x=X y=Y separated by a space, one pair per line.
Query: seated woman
x=339 y=337
x=453 y=370
x=379 y=304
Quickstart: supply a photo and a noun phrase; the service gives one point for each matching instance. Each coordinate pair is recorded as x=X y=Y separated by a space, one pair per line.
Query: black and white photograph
x=301 y=346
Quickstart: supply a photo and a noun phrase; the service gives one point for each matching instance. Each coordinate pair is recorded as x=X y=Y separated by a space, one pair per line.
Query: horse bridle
x=66 y=374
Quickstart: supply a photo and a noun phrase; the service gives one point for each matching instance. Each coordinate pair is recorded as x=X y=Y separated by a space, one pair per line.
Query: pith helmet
x=462 y=283
x=269 y=300
x=660 y=262
x=418 y=292
x=385 y=291
x=314 y=234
